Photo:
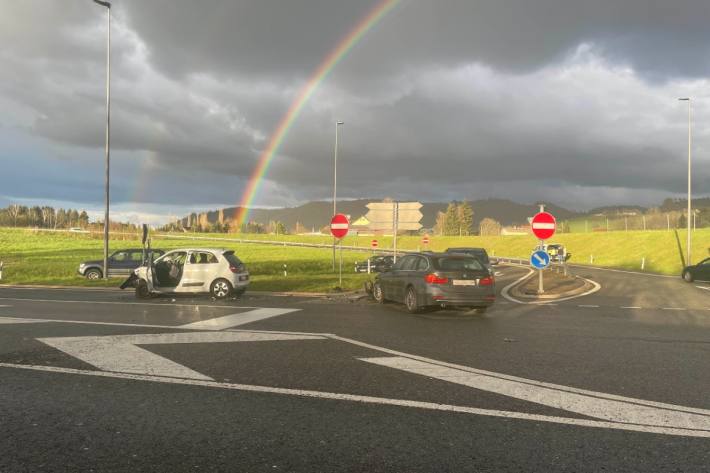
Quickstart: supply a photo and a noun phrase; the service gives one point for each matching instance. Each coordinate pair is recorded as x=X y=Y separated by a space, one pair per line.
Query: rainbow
x=333 y=58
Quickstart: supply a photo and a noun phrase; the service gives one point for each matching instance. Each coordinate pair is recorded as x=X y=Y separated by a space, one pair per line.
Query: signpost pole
x=540 y=286
x=395 y=219
x=340 y=275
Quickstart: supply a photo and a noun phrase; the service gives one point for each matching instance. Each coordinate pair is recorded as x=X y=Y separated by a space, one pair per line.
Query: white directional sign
x=382 y=215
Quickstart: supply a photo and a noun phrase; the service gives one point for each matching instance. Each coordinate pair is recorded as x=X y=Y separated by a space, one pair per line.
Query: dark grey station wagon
x=442 y=280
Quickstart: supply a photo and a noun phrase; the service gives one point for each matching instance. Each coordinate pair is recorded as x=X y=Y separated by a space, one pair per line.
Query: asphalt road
x=614 y=381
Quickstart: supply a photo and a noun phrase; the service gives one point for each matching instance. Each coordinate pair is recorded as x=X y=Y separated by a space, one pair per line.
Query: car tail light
x=434 y=279
x=237 y=269
x=487 y=281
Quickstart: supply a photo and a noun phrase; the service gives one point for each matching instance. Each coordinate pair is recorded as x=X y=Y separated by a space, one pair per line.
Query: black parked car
x=120 y=263
x=479 y=253
x=700 y=271
x=423 y=280
x=378 y=264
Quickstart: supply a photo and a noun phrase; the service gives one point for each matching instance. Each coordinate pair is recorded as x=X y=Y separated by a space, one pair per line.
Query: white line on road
x=593 y=306
x=673 y=308
x=591 y=406
x=374 y=400
x=703 y=287
x=15 y=320
x=234 y=320
x=631 y=307
x=166 y=304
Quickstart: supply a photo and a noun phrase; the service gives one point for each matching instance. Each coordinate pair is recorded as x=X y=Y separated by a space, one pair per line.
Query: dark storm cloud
x=441 y=100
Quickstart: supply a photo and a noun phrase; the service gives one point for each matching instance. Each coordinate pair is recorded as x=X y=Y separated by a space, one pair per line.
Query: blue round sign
x=540 y=259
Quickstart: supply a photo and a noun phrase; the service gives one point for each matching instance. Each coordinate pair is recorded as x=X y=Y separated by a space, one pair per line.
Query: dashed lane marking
x=673 y=308
x=631 y=307
x=592 y=306
x=234 y=320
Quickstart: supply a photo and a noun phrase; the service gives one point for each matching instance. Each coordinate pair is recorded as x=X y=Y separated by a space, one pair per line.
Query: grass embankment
x=52 y=258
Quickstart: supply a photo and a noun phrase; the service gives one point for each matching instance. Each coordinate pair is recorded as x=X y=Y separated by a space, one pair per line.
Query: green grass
x=52 y=258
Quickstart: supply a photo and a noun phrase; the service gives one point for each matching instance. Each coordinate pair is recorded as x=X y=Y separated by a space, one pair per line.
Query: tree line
x=15 y=215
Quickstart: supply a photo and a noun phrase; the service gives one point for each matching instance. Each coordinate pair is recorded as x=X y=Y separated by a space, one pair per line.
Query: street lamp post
x=690 y=175
x=335 y=181
x=108 y=129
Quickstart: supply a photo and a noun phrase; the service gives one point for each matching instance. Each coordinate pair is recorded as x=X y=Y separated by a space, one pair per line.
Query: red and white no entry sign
x=425 y=240
x=543 y=225
x=374 y=243
x=339 y=225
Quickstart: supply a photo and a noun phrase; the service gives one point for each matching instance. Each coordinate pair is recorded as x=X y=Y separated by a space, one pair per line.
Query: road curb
x=590 y=287
x=118 y=289
x=516 y=292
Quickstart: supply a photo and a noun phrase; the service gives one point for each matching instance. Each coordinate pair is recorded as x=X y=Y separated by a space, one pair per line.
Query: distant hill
x=613 y=210
x=317 y=214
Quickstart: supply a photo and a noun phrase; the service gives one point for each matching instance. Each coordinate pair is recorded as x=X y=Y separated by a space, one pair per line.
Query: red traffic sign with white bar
x=543 y=225
x=339 y=225
x=425 y=240
x=374 y=243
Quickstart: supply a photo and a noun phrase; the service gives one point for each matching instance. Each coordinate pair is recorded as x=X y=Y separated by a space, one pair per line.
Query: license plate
x=464 y=282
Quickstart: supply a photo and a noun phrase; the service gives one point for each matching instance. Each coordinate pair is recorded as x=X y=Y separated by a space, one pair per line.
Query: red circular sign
x=543 y=225
x=374 y=243
x=339 y=225
x=425 y=240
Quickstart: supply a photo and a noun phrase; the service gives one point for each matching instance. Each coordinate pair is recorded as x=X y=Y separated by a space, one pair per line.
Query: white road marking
x=703 y=287
x=673 y=308
x=506 y=292
x=15 y=320
x=593 y=306
x=167 y=304
x=631 y=307
x=374 y=400
x=234 y=320
x=631 y=412
x=5 y=306
x=120 y=353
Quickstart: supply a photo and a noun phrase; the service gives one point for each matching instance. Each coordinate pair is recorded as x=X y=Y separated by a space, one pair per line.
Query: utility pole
x=690 y=175
x=107 y=220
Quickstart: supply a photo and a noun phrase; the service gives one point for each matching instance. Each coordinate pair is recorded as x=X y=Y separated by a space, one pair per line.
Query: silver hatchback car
x=193 y=270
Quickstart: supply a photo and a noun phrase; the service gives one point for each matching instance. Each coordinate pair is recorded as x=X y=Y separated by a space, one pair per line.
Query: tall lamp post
x=335 y=180
x=690 y=150
x=108 y=129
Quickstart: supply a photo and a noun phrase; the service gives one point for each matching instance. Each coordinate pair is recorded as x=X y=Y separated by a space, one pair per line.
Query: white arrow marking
x=120 y=353
x=600 y=406
x=539 y=260
x=234 y=320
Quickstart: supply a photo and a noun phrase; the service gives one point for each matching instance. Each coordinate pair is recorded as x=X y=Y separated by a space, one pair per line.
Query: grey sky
x=566 y=99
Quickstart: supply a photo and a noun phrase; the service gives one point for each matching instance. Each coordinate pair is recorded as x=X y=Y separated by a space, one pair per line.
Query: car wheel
x=378 y=294
x=220 y=288
x=142 y=291
x=93 y=274
x=688 y=276
x=411 y=301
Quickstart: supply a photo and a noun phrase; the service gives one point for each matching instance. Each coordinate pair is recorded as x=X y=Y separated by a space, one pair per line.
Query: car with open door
x=216 y=271
x=430 y=280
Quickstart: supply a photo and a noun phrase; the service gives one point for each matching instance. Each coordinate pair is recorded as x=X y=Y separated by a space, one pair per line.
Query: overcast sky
x=572 y=101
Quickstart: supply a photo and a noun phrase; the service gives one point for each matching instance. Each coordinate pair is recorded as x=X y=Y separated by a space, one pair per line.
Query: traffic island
x=556 y=285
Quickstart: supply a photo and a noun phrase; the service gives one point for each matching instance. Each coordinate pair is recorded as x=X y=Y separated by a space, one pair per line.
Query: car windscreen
x=458 y=263
x=232 y=258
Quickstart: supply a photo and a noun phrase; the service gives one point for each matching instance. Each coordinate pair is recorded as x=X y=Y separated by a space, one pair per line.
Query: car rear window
x=452 y=263
x=232 y=258
x=480 y=254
